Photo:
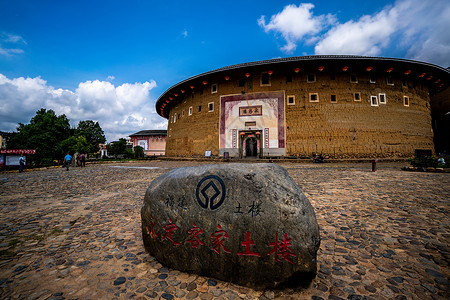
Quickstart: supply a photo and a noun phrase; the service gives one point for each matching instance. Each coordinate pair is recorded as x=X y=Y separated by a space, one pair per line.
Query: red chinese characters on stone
x=169 y=228
x=281 y=249
x=218 y=238
x=151 y=231
x=193 y=236
x=247 y=243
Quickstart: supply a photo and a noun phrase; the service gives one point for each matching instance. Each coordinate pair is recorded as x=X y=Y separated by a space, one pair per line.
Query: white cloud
x=8 y=43
x=367 y=36
x=295 y=23
x=185 y=33
x=12 y=38
x=416 y=28
x=120 y=110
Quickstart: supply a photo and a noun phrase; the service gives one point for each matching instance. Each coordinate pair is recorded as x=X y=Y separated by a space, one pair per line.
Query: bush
x=430 y=161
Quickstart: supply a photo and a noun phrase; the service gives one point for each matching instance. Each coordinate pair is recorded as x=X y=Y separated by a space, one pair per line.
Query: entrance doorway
x=250 y=144
x=251 y=147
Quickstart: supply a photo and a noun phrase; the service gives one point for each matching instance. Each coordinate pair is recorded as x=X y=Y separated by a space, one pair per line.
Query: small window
x=333 y=99
x=291 y=100
x=404 y=83
x=201 y=91
x=313 y=97
x=373 y=100
x=213 y=88
x=183 y=113
x=389 y=80
x=372 y=78
x=311 y=78
x=265 y=79
x=382 y=98
x=357 y=96
x=211 y=106
x=174 y=117
x=288 y=78
x=199 y=108
x=190 y=111
x=353 y=78
x=332 y=77
x=241 y=82
x=405 y=100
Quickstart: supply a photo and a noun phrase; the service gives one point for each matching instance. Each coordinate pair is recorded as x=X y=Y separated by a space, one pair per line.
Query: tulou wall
x=339 y=112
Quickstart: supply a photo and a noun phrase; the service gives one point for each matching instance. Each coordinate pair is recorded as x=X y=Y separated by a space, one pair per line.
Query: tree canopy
x=118 y=147
x=44 y=133
x=93 y=134
x=52 y=137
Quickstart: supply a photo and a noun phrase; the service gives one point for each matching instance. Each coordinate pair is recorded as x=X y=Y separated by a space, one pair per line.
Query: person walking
x=21 y=163
x=83 y=160
x=67 y=160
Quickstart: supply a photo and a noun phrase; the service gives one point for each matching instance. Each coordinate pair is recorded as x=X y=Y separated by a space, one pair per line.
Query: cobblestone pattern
x=76 y=235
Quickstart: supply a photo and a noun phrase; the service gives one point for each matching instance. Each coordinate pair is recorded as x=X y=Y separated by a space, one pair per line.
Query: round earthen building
x=338 y=106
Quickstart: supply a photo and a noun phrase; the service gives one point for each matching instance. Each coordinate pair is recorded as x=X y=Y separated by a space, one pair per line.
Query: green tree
x=138 y=152
x=76 y=144
x=92 y=132
x=117 y=147
x=45 y=133
x=69 y=144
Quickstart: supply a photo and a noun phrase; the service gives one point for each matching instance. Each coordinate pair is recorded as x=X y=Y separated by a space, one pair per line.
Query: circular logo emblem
x=210 y=192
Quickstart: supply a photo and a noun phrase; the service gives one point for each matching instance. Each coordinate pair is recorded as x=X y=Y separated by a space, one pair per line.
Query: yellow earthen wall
x=347 y=128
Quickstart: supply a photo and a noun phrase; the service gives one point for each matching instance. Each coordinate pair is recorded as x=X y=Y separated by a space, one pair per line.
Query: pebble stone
x=77 y=235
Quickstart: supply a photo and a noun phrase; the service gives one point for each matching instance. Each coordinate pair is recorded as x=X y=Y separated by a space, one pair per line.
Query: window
x=201 y=91
x=241 y=82
x=183 y=113
x=211 y=106
x=199 y=108
x=333 y=99
x=190 y=111
x=265 y=79
x=332 y=77
x=353 y=78
x=313 y=97
x=372 y=78
x=291 y=100
x=311 y=78
x=213 y=88
x=405 y=100
x=382 y=98
x=174 y=117
x=389 y=80
x=373 y=100
x=288 y=78
x=404 y=83
x=357 y=96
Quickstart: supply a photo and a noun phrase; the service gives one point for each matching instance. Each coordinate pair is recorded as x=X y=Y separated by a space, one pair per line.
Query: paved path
x=76 y=235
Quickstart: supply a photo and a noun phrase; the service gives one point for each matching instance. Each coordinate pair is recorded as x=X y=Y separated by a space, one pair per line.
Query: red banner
x=17 y=151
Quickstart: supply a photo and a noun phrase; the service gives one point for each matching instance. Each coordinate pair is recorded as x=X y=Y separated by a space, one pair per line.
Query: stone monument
x=245 y=223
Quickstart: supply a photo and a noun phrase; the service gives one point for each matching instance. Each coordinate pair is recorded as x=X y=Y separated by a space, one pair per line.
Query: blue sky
x=110 y=60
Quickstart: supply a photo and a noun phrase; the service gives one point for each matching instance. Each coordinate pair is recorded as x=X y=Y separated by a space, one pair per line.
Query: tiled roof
x=150 y=132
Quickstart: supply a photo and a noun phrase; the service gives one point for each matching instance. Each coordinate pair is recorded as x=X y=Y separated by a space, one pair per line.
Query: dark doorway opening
x=251 y=147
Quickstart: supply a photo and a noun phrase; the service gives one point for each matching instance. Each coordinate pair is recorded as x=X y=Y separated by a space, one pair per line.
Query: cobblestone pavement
x=77 y=235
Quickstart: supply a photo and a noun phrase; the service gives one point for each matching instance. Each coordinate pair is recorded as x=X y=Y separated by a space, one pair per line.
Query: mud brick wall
x=342 y=129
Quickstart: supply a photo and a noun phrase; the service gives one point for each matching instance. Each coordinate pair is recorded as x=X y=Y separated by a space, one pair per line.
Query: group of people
x=81 y=160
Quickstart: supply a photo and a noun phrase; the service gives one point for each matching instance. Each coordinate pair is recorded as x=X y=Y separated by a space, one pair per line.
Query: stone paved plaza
x=77 y=235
